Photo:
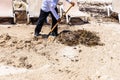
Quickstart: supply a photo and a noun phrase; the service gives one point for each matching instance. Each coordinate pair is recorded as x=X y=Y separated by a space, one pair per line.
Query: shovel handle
x=60 y=18
x=67 y=11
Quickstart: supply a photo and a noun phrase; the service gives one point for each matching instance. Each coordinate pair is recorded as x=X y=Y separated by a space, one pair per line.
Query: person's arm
x=52 y=7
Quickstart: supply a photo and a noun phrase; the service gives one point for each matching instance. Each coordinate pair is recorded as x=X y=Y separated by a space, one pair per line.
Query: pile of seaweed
x=84 y=37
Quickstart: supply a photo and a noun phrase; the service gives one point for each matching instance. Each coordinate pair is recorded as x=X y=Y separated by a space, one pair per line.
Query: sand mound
x=14 y=44
x=11 y=41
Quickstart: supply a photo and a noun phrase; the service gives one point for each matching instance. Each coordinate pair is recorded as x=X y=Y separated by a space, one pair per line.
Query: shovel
x=50 y=38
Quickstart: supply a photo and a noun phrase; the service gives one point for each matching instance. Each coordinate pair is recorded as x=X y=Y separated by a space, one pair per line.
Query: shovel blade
x=51 y=38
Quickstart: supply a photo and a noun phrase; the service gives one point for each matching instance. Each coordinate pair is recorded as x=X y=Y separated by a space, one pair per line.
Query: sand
x=24 y=58
x=53 y=60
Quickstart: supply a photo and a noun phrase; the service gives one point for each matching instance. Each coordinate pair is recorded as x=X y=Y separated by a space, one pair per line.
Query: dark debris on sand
x=73 y=38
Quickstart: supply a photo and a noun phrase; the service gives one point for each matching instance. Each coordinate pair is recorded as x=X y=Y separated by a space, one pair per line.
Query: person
x=49 y=7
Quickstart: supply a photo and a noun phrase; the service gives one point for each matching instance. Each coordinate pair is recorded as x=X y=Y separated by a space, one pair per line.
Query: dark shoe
x=36 y=34
x=53 y=34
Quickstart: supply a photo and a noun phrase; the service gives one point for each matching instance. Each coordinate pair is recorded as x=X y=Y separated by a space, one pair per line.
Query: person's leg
x=41 y=19
x=54 y=21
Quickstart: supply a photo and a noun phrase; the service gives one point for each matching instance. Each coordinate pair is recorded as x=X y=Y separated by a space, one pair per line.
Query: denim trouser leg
x=54 y=21
x=41 y=19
